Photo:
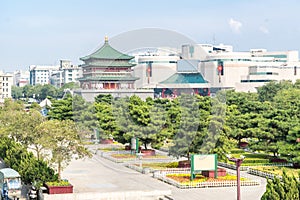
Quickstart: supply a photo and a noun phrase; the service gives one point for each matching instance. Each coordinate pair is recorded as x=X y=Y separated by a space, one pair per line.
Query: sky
x=42 y=32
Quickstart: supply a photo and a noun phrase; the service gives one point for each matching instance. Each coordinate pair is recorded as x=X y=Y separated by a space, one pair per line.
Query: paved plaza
x=94 y=176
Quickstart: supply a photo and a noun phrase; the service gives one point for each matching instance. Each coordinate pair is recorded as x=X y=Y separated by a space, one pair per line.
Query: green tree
x=271 y=193
x=63 y=142
x=62 y=109
x=287 y=189
x=142 y=119
x=16 y=92
x=187 y=132
x=106 y=120
x=290 y=148
x=84 y=114
x=47 y=90
x=268 y=91
x=17 y=157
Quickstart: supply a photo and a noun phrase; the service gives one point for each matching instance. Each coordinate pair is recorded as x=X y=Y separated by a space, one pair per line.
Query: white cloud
x=235 y=25
x=264 y=29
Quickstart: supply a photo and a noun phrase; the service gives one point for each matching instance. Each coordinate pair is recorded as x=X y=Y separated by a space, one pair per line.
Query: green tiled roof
x=107 y=52
x=185 y=78
x=109 y=78
x=8 y=172
x=111 y=64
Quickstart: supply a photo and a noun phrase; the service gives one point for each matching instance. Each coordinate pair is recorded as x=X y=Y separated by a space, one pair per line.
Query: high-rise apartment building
x=41 y=74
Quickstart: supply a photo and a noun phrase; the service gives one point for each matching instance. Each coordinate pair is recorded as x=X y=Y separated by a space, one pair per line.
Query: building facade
x=67 y=73
x=21 y=78
x=223 y=68
x=6 y=82
x=41 y=74
x=155 y=66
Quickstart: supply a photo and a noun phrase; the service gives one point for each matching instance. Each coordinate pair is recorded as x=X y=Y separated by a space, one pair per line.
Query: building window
x=6 y=84
x=295 y=70
x=6 y=79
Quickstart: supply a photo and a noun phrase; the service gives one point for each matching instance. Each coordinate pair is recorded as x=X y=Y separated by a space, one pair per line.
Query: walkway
x=97 y=175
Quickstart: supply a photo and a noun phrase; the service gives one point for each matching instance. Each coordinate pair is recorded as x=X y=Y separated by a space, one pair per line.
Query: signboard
x=135 y=144
x=204 y=163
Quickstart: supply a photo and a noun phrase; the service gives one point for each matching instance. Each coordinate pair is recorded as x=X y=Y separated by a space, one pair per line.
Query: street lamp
x=238 y=163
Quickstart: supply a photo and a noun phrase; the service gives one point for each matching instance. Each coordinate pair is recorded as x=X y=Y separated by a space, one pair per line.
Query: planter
x=184 y=164
x=107 y=141
x=127 y=147
x=243 y=144
x=211 y=174
x=59 y=189
x=148 y=152
x=296 y=165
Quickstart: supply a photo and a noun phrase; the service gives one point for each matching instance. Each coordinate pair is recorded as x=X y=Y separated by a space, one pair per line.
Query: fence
x=162 y=175
x=231 y=166
x=263 y=174
x=246 y=168
x=108 y=155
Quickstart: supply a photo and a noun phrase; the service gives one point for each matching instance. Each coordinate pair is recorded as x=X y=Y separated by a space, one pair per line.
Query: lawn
x=160 y=166
x=278 y=170
x=252 y=159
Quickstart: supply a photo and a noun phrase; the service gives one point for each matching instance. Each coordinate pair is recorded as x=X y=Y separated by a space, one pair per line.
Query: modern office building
x=41 y=74
x=154 y=66
x=223 y=68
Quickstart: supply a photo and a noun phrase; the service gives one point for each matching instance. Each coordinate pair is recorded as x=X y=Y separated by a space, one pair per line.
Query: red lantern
x=220 y=68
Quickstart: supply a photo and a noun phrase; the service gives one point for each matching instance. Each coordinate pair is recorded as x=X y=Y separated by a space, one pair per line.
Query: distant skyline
x=35 y=32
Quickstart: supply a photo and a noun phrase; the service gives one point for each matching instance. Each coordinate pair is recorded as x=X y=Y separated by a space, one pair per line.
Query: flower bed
x=185 y=178
x=61 y=187
x=107 y=141
x=181 y=179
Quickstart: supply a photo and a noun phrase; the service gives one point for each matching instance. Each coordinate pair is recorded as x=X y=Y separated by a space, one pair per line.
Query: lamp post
x=238 y=162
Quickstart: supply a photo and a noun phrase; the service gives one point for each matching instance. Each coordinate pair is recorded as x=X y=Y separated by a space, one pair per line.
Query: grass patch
x=160 y=166
x=278 y=170
x=252 y=159
x=117 y=148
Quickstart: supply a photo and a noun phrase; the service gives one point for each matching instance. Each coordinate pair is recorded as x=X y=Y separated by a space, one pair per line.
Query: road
x=98 y=175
